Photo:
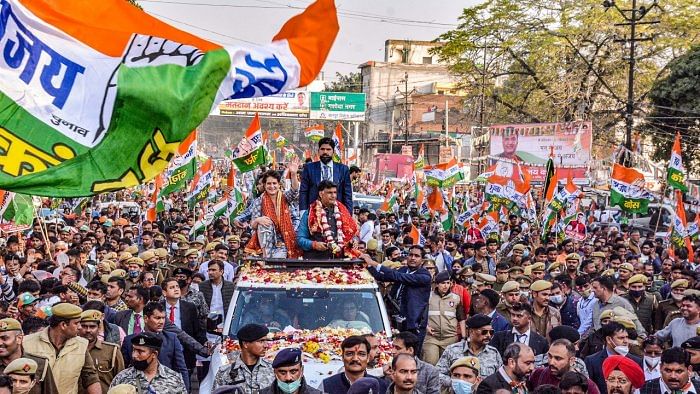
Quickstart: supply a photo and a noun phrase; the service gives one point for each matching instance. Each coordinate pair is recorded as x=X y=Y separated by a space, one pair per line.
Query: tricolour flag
x=152 y=212
x=339 y=154
x=251 y=153
x=445 y=174
x=550 y=181
x=417 y=236
x=389 y=200
x=561 y=200
x=627 y=190
x=676 y=171
x=279 y=140
x=679 y=228
x=97 y=96
x=314 y=133
x=182 y=168
x=419 y=164
x=199 y=189
x=213 y=211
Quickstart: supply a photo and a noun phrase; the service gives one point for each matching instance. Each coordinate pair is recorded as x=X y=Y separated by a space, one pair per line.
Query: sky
x=364 y=24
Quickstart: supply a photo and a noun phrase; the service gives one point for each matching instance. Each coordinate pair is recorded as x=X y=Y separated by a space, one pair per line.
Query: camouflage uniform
x=197 y=298
x=237 y=374
x=489 y=358
x=165 y=381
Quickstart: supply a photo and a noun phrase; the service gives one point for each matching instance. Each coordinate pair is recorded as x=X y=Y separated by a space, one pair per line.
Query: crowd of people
x=106 y=301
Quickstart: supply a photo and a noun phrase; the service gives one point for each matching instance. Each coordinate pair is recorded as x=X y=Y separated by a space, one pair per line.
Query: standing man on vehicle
x=325 y=170
x=249 y=371
x=289 y=374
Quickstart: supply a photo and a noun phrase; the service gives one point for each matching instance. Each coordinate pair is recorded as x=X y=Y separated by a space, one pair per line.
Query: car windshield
x=308 y=309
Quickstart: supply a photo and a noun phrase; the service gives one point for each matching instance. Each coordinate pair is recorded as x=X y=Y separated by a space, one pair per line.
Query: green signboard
x=338 y=106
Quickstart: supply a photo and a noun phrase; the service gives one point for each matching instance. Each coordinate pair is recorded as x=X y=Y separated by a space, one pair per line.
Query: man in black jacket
x=411 y=289
x=522 y=331
x=217 y=283
x=675 y=374
x=518 y=363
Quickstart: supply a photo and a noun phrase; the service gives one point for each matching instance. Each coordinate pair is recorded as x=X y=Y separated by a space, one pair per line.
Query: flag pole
x=44 y=233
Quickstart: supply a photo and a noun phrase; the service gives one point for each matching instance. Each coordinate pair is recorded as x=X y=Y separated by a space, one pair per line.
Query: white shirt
x=366 y=231
x=650 y=374
x=217 y=301
x=329 y=166
x=229 y=272
x=525 y=339
x=168 y=307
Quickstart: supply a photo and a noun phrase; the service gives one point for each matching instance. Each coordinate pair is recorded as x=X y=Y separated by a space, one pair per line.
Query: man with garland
x=327 y=228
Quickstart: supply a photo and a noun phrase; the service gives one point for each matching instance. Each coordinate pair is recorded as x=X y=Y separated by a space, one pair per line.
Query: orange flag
x=435 y=200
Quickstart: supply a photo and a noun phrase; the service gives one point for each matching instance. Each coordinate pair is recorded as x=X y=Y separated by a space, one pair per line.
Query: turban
x=630 y=368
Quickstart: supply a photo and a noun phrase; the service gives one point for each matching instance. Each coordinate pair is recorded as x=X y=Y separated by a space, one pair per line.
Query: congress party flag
x=417 y=236
x=339 y=154
x=152 y=212
x=676 y=172
x=280 y=141
x=199 y=188
x=627 y=190
x=96 y=96
x=314 y=133
x=419 y=164
x=389 y=200
x=445 y=174
x=182 y=168
x=679 y=227
x=251 y=153
x=16 y=208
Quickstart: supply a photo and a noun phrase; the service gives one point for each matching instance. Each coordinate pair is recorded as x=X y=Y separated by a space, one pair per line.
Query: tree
x=674 y=103
x=346 y=83
x=557 y=60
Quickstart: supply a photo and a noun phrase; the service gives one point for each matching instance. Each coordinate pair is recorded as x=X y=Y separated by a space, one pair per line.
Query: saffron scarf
x=347 y=229
x=282 y=220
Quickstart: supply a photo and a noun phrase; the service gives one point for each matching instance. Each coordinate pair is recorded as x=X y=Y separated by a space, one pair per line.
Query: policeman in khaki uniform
x=150 y=261
x=23 y=374
x=510 y=294
x=645 y=304
x=106 y=355
x=445 y=319
x=671 y=308
x=11 y=337
x=67 y=353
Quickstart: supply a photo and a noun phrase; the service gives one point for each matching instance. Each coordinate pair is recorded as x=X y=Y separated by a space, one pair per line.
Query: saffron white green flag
x=627 y=190
x=251 y=153
x=676 y=171
x=445 y=174
x=183 y=167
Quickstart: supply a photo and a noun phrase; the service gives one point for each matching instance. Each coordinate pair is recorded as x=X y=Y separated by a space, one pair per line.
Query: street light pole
x=391 y=126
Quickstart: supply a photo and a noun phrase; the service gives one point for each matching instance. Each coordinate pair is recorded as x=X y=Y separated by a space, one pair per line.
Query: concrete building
x=406 y=87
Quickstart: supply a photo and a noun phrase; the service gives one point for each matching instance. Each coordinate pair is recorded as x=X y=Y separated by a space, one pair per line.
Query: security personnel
x=150 y=261
x=510 y=294
x=445 y=319
x=544 y=316
x=289 y=374
x=11 y=337
x=536 y=271
x=23 y=374
x=146 y=373
x=67 y=353
x=107 y=356
x=644 y=303
x=671 y=308
x=626 y=270
x=253 y=341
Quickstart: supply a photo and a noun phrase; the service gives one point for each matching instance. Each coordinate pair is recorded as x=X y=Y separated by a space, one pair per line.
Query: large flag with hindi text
x=627 y=190
x=251 y=153
x=676 y=171
x=96 y=96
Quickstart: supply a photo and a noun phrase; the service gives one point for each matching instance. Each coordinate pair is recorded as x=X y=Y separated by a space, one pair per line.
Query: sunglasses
x=484 y=332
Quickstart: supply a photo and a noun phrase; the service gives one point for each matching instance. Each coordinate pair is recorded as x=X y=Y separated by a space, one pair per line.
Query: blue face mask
x=289 y=387
x=134 y=274
x=461 y=387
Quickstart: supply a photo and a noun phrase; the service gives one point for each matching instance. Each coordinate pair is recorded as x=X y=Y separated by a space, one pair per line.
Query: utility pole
x=633 y=17
x=406 y=94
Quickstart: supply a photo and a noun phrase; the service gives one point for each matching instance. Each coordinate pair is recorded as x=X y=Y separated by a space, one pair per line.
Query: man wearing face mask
x=692 y=346
x=616 y=343
x=146 y=372
x=289 y=374
x=670 y=309
x=602 y=287
x=190 y=292
x=644 y=303
x=464 y=373
x=325 y=169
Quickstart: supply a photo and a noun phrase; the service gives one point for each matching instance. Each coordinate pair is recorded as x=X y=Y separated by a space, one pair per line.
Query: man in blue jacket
x=171 y=353
x=325 y=170
x=411 y=289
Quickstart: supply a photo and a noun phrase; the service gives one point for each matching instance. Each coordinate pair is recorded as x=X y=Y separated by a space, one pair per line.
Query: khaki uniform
x=72 y=365
x=444 y=314
x=44 y=376
x=504 y=310
x=108 y=362
x=550 y=319
x=668 y=310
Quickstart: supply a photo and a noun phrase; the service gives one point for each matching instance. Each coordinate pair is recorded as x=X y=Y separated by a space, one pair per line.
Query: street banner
x=627 y=190
x=97 y=96
x=676 y=171
x=293 y=104
x=531 y=144
x=338 y=106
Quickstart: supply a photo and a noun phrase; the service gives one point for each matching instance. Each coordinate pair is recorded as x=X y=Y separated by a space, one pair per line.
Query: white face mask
x=557 y=299
x=652 y=362
x=622 y=350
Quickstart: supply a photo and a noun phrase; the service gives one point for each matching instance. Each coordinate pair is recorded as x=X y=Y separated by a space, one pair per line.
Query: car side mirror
x=213 y=322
